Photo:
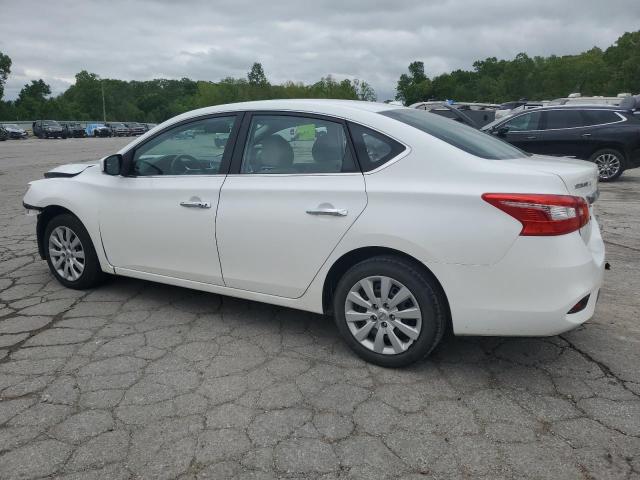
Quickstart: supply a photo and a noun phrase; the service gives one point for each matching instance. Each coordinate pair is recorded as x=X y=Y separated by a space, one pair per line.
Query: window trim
x=543 y=120
x=127 y=157
x=241 y=143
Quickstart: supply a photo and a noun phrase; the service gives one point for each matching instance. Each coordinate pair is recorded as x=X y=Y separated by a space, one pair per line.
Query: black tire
x=424 y=289
x=92 y=275
x=604 y=159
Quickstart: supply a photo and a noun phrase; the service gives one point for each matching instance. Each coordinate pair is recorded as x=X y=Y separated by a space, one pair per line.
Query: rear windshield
x=454 y=133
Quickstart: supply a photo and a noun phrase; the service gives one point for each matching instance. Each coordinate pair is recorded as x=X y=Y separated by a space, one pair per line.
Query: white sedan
x=400 y=223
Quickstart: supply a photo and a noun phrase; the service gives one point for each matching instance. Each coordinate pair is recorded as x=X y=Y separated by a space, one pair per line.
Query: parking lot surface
x=140 y=380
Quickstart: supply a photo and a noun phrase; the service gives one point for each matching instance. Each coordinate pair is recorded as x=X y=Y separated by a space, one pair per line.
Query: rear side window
x=461 y=136
x=563 y=119
x=373 y=148
x=599 y=117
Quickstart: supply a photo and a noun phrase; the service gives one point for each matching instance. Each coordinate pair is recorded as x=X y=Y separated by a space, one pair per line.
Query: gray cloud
x=299 y=41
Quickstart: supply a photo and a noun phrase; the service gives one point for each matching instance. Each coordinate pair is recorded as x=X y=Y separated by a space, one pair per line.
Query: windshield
x=51 y=123
x=11 y=125
x=454 y=133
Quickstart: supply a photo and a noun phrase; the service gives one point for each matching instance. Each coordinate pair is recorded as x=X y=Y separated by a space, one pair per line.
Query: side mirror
x=502 y=131
x=112 y=165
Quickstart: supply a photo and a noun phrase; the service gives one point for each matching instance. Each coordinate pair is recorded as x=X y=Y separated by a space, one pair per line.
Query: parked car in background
x=607 y=136
x=578 y=99
x=14 y=131
x=48 y=129
x=446 y=110
x=3 y=134
x=135 y=128
x=399 y=223
x=117 y=129
x=73 y=129
x=509 y=108
x=474 y=114
x=97 y=130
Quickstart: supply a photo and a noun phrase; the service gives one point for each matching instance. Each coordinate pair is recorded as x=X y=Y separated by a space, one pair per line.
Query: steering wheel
x=179 y=165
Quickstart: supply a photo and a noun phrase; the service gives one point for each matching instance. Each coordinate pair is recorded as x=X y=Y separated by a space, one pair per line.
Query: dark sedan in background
x=608 y=136
x=48 y=129
x=73 y=129
x=117 y=129
x=14 y=131
x=136 y=128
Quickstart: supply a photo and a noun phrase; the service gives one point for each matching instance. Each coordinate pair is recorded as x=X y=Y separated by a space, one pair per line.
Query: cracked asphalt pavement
x=140 y=380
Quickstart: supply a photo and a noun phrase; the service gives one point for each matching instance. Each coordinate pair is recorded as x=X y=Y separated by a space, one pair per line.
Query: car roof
x=320 y=106
x=581 y=106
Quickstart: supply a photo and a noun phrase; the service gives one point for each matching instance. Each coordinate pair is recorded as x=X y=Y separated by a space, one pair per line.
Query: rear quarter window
x=373 y=148
x=600 y=117
x=461 y=136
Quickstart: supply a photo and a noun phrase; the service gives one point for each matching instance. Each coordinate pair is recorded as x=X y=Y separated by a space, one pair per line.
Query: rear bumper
x=531 y=290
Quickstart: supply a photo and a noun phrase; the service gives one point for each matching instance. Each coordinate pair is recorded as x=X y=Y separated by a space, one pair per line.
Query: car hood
x=68 y=170
x=18 y=130
x=580 y=177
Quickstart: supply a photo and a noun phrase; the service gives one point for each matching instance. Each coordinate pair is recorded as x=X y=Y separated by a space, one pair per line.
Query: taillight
x=542 y=214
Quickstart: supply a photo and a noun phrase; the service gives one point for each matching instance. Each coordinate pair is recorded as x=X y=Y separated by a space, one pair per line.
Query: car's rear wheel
x=610 y=164
x=389 y=312
x=70 y=253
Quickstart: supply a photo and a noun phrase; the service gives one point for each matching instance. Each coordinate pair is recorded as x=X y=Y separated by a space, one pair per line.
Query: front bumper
x=531 y=290
x=17 y=135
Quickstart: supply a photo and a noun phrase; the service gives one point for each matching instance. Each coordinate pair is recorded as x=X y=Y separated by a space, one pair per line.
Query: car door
x=160 y=218
x=565 y=133
x=524 y=131
x=293 y=192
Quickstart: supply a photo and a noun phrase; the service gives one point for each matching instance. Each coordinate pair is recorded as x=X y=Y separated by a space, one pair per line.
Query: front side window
x=195 y=148
x=291 y=144
x=557 y=119
x=525 y=122
x=461 y=136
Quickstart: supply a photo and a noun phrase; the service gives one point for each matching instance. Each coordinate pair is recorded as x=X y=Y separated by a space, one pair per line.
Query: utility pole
x=104 y=111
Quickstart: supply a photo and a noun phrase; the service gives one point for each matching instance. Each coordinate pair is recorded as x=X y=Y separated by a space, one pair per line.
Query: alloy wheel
x=383 y=315
x=67 y=253
x=608 y=165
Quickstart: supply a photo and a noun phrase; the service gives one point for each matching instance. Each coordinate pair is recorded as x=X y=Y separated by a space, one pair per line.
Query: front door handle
x=195 y=204
x=335 y=212
x=586 y=134
x=531 y=137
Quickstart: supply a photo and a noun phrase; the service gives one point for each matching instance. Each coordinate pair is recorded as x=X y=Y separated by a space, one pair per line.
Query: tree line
x=157 y=100
x=594 y=72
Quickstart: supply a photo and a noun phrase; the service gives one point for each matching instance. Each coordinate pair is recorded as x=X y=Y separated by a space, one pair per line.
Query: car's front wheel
x=70 y=253
x=610 y=164
x=389 y=312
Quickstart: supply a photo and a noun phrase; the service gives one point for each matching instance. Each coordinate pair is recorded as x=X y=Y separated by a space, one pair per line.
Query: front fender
x=57 y=194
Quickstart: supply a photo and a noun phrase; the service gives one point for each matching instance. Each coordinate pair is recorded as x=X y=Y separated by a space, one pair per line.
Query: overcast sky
x=294 y=40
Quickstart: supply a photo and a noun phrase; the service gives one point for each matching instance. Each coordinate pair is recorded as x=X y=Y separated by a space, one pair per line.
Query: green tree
x=364 y=91
x=415 y=86
x=5 y=70
x=32 y=100
x=256 y=76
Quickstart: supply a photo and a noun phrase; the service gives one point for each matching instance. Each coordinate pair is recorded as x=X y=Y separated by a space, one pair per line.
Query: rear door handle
x=531 y=137
x=335 y=212
x=586 y=134
x=195 y=204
